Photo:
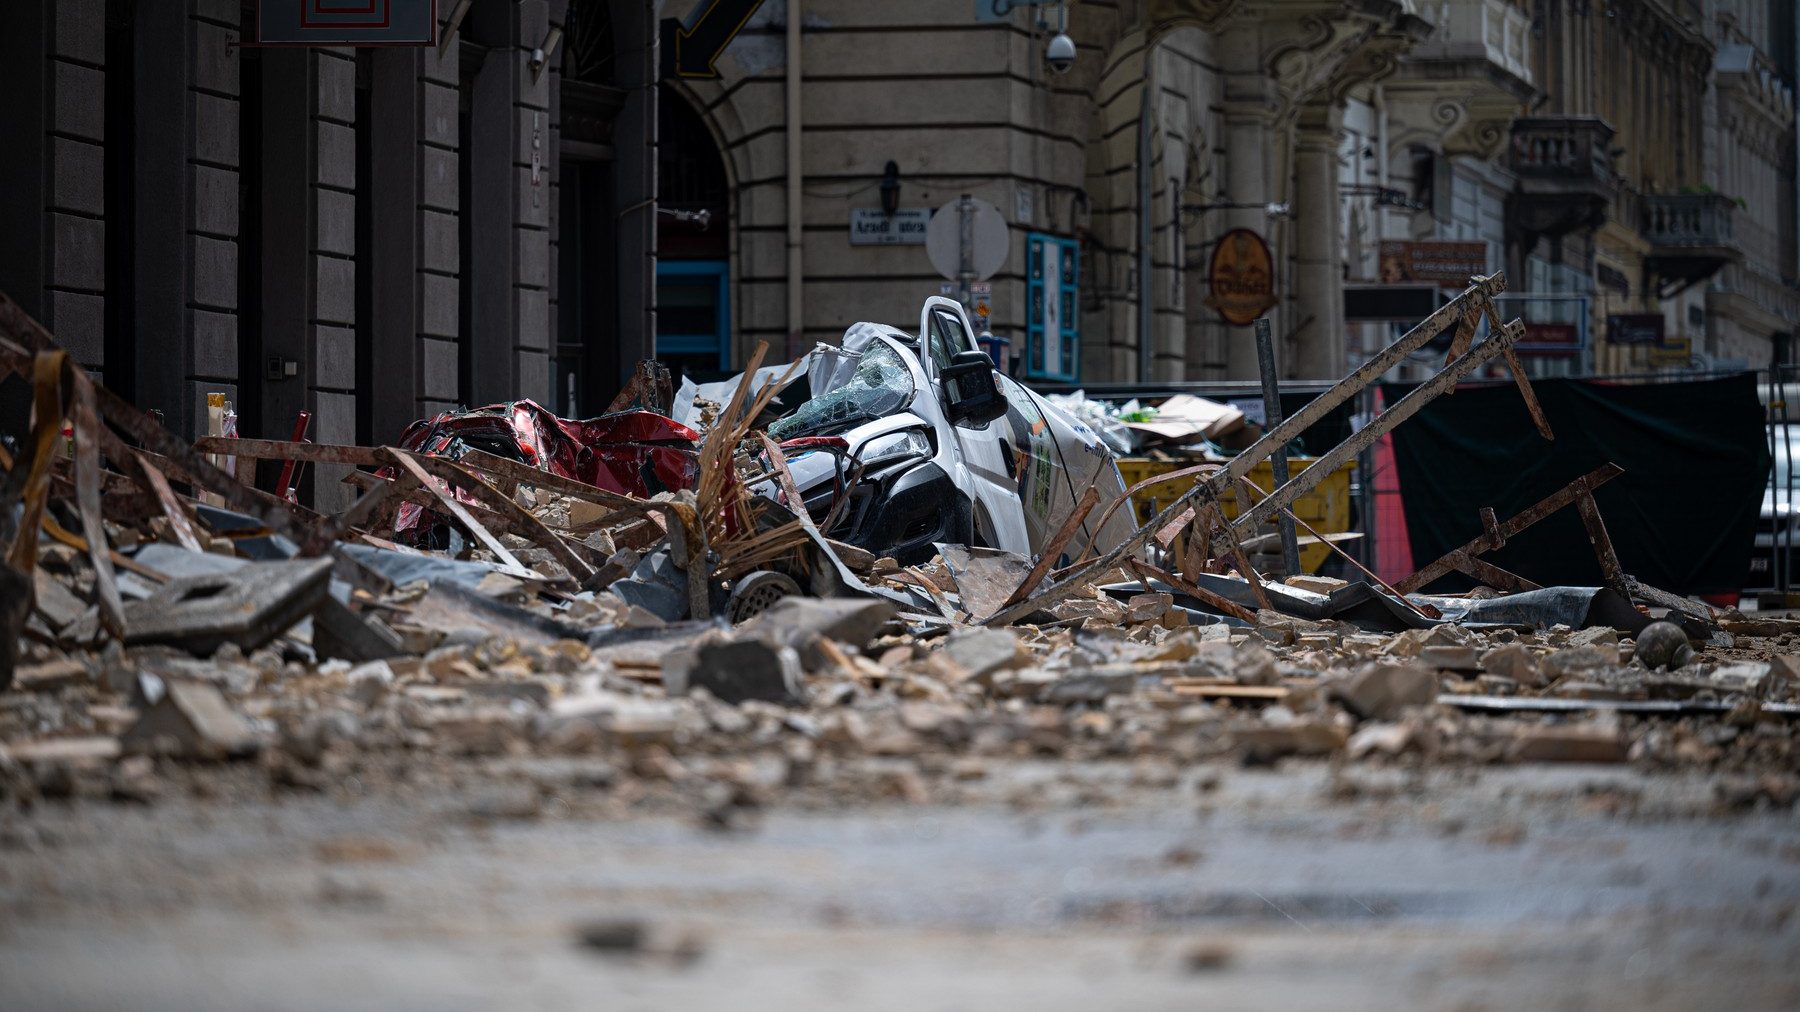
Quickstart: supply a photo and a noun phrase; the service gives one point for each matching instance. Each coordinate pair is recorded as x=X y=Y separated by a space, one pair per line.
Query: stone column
x=331 y=348
x=531 y=208
x=401 y=240
x=440 y=240
x=1251 y=98
x=634 y=182
x=169 y=119
x=211 y=220
x=1246 y=182
x=487 y=265
x=22 y=171
x=76 y=220
x=1318 y=351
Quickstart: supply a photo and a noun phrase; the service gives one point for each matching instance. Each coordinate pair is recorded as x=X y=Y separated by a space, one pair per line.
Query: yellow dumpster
x=1326 y=507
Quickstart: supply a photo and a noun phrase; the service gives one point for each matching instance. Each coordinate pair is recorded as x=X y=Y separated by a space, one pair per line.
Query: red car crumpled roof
x=638 y=453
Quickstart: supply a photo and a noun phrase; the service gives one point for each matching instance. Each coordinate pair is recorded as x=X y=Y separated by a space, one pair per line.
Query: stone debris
x=192 y=720
x=736 y=671
x=1451 y=658
x=978 y=654
x=475 y=613
x=1514 y=662
x=1591 y=743
x=1382 y=691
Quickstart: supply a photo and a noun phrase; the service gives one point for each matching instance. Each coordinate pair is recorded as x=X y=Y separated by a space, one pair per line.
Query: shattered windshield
x=878 y=384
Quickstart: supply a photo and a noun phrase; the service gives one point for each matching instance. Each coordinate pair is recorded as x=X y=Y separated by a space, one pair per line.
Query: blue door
x=693 y=317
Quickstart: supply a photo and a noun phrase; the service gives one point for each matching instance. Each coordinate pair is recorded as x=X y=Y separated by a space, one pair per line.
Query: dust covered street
x=1036 y=885
x=931 y=506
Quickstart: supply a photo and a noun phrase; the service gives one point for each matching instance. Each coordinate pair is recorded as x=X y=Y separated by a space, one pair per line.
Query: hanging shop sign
x=1673 y=351
x=1551 y=339
x=1448 y=264
x=1635 y=328
x=1242 y=277
x=346 y=22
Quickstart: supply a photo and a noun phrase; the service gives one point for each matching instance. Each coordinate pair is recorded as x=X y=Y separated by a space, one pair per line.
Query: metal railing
x=1687 y=219
x=1562 y=148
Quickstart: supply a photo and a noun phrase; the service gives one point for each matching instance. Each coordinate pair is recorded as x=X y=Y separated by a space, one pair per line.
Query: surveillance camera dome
x=1060 y=54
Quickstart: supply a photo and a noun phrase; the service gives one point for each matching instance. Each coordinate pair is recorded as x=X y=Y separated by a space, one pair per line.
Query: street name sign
x=871 y=226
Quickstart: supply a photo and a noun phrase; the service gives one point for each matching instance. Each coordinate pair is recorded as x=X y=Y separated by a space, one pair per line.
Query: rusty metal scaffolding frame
x=1462 y=311
x=1495 y=534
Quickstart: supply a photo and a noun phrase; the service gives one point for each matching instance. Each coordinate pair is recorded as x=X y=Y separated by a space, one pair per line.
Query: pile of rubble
x=713 y=641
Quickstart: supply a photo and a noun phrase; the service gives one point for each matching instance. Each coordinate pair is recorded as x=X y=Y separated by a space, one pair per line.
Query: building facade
x=373 y=235
x=367 y=235
x=1626 y=161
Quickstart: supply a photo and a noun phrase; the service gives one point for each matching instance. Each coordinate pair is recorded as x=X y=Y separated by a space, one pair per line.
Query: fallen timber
x=1478 y=297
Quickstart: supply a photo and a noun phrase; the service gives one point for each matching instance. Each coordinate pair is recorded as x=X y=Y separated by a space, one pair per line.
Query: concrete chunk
x=1450 y=658
x=737 y=671
x=980 y=653
x=1514 y=661
x=1381 y=691
x=1265 y=744
x=800 y=622
x=193 y=721
x=1571 y=660
x=249 y=606
x=89 y=750
x=1752 y=678
x=1088 y=686
x=52 y=676
x=1589 y=743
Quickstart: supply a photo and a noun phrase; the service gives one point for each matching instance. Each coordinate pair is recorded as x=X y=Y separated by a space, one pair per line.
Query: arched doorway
x=693 y=243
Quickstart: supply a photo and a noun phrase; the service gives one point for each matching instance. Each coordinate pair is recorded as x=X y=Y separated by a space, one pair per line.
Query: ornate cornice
x=1322 y=50
x=1210 y=15
x=1456 y=118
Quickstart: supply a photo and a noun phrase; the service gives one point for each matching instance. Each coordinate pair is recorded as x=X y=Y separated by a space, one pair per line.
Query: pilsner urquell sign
x=1242 y=276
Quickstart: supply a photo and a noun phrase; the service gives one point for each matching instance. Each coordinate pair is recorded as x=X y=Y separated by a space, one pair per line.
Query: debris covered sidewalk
x=487 y=595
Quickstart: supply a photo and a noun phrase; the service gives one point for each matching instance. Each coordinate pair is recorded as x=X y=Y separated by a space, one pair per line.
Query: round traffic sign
x=991 y=243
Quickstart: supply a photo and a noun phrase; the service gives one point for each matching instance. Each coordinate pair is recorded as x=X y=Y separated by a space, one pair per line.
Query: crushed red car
x=638 y=453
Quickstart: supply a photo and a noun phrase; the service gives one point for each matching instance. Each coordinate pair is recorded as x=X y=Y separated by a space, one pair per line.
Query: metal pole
x=1271 y=390
x=796 y=180
x=1146 y=267
x=1403 y=409
x=965 y=273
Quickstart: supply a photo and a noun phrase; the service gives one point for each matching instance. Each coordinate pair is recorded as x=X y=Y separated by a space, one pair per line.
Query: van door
x=983 y=449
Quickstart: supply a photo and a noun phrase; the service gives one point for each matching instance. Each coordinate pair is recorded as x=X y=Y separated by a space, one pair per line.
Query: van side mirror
x=971 y=393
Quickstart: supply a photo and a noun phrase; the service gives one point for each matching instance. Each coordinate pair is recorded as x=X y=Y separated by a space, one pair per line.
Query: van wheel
x=757 y=593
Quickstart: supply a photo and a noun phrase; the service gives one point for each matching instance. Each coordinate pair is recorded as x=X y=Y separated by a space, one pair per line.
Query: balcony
x=1466 y=81
x=1489 y=38
x=1689 y=235
x=1565 y=172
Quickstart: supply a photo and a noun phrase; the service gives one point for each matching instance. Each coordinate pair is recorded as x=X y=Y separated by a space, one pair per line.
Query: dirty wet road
x=1045 y=887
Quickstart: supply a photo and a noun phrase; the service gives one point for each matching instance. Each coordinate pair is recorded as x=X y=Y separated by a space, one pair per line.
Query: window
x=849 y=389
x=946 y=339
x=1053 y=320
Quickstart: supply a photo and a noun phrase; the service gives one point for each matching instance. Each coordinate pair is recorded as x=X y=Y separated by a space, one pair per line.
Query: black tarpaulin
x=1682 y=516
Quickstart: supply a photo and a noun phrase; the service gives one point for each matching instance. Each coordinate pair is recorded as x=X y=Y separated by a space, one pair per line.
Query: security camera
x=1060 y=54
